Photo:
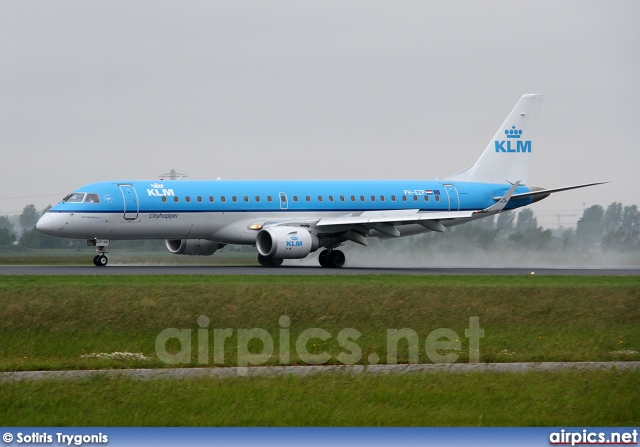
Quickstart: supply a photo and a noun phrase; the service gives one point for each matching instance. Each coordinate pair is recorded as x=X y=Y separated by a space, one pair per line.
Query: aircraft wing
x=357 y=227
x=384 y=222
x=391 y=217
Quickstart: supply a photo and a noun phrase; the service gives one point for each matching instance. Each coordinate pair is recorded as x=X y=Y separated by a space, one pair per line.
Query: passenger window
x=269 y=199
x=223 y=199
x=188 y=199
x=283 y=199
x=373 y=198
x=330 y=198
x=437 y=198
x=164 y=199
x=200 y=199
x=382 y=198
x=319 y=198
x=426 y=198
x=257 y=198
x=415 y=198
x=404 y=198
x=234 y=198
x=342 y=198
x=362 y=198
x=211 y=199
x=246 y=198
x=175 y=199
x=295 y=198
x=353 y=198
x=308 y=199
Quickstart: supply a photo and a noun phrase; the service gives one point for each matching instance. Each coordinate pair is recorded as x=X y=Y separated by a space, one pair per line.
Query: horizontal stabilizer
x=541 y=193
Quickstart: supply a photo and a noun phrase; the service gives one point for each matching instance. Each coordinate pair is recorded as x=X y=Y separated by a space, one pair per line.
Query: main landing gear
x=328 y=259
x=331 y=258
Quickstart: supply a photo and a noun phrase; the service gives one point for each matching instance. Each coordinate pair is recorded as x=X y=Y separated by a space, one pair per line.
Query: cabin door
x=131 y=205
x=454 y=198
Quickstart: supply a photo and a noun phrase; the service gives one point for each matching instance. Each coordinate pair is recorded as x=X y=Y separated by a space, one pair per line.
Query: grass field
x=65 y=322
x=52 y=322
x=592 y=398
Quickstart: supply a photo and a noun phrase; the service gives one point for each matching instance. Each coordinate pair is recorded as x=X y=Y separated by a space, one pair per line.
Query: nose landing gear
x=99 y=260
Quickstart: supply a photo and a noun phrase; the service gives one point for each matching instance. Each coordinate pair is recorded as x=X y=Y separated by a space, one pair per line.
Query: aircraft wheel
x=324 y=258
x=100 y=260
x=95 y=260
x=337 y=258
x=269 y=262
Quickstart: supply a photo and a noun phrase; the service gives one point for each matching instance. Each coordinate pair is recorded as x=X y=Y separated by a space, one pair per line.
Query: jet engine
x=193 y=247
x=286 y=242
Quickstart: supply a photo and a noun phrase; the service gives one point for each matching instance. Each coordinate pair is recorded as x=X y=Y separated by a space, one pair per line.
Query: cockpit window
x=92 y=198
x=74 y=197
x=78 y=197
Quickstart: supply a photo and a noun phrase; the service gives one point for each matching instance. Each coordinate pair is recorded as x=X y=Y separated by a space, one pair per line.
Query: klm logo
x=513 y=142
x=157 y=190
x=294 y=242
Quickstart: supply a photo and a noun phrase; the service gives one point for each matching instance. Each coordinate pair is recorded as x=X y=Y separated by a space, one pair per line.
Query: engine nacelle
x=286 y=242
x=193 y=247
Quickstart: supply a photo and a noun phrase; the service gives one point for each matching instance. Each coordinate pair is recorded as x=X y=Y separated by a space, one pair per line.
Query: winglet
x=497 y=207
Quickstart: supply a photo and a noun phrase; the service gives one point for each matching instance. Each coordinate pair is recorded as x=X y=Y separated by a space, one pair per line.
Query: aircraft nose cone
x=48 y=224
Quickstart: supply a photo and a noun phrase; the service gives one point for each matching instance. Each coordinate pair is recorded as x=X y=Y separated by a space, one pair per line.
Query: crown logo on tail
x=513 y=132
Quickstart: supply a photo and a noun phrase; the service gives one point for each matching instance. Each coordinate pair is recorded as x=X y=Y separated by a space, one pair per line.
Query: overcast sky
x=105 y=90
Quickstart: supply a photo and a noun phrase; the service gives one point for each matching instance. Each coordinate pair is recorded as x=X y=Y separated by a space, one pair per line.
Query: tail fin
x=506 y=159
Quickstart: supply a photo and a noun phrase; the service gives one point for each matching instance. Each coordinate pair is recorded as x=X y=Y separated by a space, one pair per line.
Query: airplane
x=291 y=219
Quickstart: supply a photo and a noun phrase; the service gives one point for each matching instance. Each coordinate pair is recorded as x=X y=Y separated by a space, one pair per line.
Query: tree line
x=616 y=228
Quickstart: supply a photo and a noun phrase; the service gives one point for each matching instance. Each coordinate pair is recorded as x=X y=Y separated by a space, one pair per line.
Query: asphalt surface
x=270 y=371
x=298 y=270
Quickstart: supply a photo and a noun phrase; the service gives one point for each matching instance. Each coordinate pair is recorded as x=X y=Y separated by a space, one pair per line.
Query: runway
x=123 y=269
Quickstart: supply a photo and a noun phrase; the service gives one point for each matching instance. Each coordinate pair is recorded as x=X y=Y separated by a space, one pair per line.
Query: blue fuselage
x=218 y=210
